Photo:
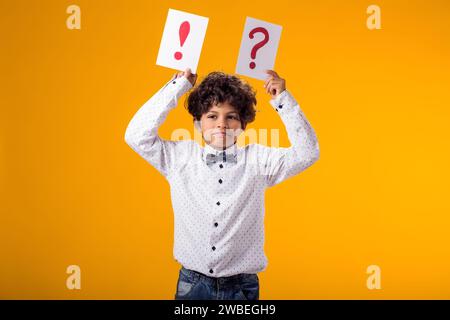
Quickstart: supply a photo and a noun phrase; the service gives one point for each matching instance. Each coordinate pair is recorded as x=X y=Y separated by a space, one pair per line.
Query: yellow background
x=73 y=192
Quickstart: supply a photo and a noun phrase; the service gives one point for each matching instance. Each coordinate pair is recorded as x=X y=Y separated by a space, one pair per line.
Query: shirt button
x=174 y=82
x=214 y=248
x=211 y=271
x=221 y=166
x=220 y=181
x=216 y=224
x=280 y=106
x=218 y=203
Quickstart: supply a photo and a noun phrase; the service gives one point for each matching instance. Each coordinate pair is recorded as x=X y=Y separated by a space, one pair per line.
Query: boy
x=218 y=191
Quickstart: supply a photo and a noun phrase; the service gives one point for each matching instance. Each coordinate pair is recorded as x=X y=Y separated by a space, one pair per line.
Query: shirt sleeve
x=142 y=131
x=282 y=163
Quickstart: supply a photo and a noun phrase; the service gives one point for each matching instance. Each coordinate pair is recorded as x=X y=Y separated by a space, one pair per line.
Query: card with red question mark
x=259 y=47
x=182 y=40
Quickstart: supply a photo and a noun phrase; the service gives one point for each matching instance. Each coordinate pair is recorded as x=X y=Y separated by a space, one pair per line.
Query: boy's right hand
x=188 y=74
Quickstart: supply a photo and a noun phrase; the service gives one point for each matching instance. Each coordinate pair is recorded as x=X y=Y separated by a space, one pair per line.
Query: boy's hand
x=189 y=75
x=274 y=84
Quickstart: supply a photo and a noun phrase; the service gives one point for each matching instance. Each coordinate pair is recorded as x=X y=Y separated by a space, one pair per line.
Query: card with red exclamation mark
x=182 y=40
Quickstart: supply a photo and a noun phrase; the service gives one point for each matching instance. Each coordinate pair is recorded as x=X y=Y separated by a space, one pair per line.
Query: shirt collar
x=209 y=149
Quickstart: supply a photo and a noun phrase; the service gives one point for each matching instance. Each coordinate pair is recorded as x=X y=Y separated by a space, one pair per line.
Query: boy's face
x=221 y=125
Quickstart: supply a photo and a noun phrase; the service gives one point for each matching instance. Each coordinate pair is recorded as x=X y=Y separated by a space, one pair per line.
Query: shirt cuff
x=283 y=101
x=177 y=86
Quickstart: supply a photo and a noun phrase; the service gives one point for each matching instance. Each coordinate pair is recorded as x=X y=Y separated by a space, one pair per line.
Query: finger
x=275 y=88
x=272 y=90
x=272 y=73
x=274 y=82
x=267 y=81
x=194 y=79
x=269 y=84
x=268 y=75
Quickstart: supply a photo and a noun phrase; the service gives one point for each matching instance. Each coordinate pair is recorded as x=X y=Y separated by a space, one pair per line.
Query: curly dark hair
x=218 y=87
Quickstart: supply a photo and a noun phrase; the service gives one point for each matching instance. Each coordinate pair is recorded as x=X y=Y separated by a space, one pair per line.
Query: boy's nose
x=222 y=124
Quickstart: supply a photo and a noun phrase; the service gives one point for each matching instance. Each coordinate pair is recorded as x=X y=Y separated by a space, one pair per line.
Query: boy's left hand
x=192 y=77
x=274 y=84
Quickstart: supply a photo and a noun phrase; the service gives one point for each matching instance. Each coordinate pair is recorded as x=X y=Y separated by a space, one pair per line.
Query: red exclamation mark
x=184 y=31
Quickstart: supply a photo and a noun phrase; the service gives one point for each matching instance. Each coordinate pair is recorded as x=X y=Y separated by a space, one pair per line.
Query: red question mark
x=259 y=45
x=183 y=33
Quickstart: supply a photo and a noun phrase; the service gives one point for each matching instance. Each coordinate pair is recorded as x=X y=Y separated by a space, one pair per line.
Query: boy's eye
x=231 y=116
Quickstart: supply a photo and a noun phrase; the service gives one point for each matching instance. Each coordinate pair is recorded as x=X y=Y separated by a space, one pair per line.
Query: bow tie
x=212 y=158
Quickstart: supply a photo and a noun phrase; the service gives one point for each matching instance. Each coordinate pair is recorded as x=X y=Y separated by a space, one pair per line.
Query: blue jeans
x=193 y=285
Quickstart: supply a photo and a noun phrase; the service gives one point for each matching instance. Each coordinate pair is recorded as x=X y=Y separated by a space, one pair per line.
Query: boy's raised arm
x=142 y=131
x=282 y=163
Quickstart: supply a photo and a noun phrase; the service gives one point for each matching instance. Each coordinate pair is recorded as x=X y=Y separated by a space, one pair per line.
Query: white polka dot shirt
x=219 y=206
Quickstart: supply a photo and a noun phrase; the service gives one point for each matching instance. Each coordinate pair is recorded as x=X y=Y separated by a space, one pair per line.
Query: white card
x=259 y=53
x=182 y=40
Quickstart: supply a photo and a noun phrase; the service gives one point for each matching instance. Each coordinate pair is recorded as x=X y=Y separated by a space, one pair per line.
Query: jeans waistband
x=224 y=280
